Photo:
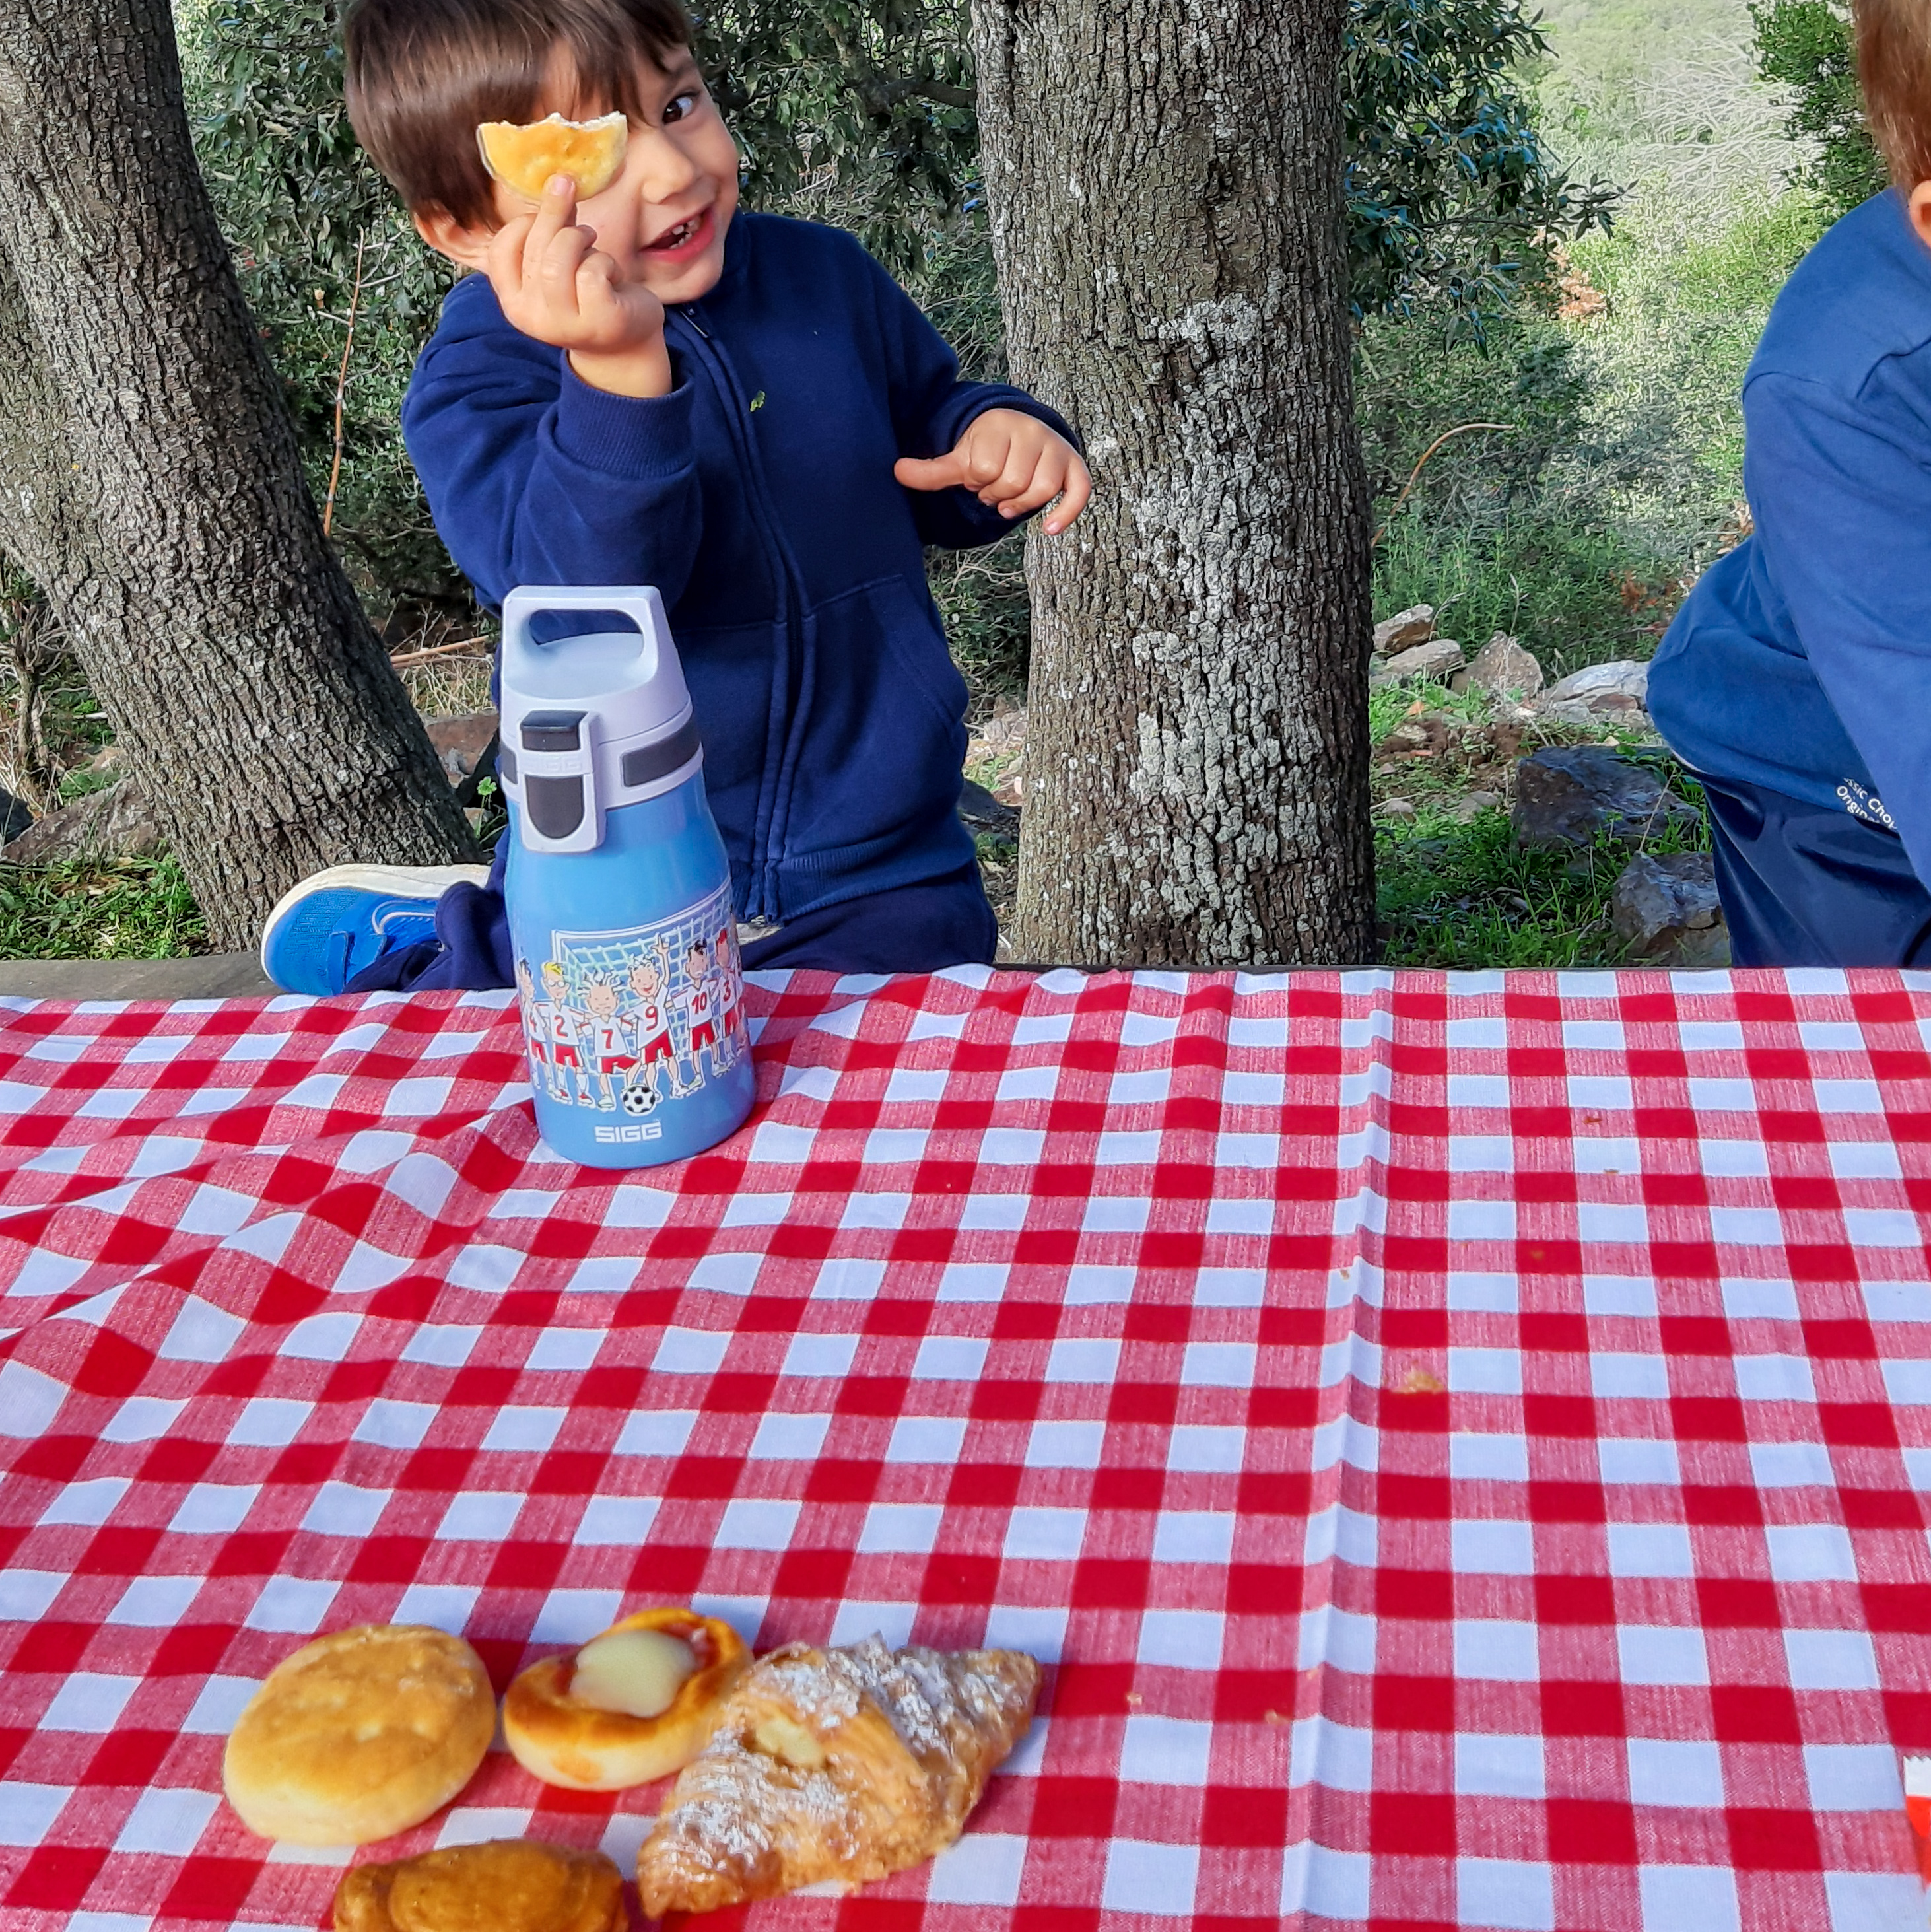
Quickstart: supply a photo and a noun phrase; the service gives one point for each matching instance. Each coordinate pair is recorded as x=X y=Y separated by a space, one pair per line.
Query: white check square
x=756 y=1523
x=1045 y=1535
x=1181 y=1640
x=88 y=1701
x=820 y=1356
x=213 y=1509
x=613 y=1521
x=86 y=1504
x=1496 y=1766
x=656 y=1432
x=1194 y=1536
x=575 y=1616
x=341 y=1509
x=1495 y=1459
x=1486 y=1371
x=1830 y=1660
x=1638 y=1378
x=1650 y=1549
x=1676 y=1770
x=949 y=1358
x=1702 y=1897
x=1218 y=1365
x=1083 y=1360
x=1497 y=1648
x=1064 y=1445
x=1811 y=1553
x=1661 y=1654
x=1511 y=1895
x=902 y=1528
x=565 y=1348
x=981 y=1868
x=928 y=1439
x=1146 y=1879
x=689 y=1351
x=1774 y=1378
x=525 y=1431
x=1207 y=1448
x=155 y=1602
x=1495 y=1548
x=1853 y=1777
x=486 y=1515
x=1166 y=1750
x=1637 y=1459
x=166 y=1820
x=1791 y=1466
x=789 y=1438
x=269 y=1422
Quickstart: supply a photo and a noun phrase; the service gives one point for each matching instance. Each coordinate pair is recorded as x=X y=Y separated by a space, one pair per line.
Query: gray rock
x=1395 y=808
x=1623 y=683
x=982 y=812
x=1666 y=909
x=1435 y=660
x=1566 y=797
x=116 y=823
x=1405 y=627
x=1474 y=803
x=460 y=741
x=1502 y=669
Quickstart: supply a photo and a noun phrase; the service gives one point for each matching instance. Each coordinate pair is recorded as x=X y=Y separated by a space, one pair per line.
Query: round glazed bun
x=583 y=1747
x=359 y=1735
x=507 y=1884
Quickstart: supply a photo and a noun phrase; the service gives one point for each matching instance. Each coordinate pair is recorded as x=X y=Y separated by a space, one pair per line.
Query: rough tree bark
x=149 y=483
x=1165 y=182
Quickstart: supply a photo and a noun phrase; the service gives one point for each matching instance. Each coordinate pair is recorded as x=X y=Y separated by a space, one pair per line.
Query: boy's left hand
x=1011 y=459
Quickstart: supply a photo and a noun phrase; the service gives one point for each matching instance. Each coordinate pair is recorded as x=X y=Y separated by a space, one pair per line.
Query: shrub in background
x=1810 y=46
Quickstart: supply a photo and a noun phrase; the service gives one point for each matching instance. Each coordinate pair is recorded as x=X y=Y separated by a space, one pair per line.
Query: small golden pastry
x=525 y=157
x=633 y=1705
x=360 y=1735
x=508 y=1885
x=835 y=1764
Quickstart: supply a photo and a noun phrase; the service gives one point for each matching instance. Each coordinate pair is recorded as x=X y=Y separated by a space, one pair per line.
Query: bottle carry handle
x=641 y=602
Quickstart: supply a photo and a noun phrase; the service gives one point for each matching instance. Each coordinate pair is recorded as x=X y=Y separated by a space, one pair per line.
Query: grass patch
x=112 y=909
x=1466 y=897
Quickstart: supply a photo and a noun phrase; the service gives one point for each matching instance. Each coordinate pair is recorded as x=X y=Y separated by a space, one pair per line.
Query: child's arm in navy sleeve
x=930 y=409
x=1838 y=490
x=534 y=477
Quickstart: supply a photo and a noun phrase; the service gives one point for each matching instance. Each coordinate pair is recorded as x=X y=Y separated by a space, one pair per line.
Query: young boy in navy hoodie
x=1796 y=680
x=653 y=387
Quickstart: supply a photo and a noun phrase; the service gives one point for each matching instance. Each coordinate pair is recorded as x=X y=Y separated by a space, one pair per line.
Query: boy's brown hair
x=1894 y=64
x=421 y=73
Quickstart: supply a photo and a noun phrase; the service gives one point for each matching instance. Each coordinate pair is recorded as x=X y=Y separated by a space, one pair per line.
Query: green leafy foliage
x=1810 y=45
x=1452 y=201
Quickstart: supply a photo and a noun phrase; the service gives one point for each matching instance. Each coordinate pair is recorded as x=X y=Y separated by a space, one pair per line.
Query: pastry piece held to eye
x=505 y=1885
x=634 y=1704
x=525 y=157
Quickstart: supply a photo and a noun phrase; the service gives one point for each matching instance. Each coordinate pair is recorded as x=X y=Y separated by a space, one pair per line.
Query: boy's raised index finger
x=555 y=211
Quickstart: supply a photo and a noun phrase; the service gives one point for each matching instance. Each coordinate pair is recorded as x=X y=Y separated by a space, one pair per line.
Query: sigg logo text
x=641 y=1130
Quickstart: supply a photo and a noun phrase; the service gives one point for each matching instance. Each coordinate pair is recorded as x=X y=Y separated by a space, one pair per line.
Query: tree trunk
x=149 y=483
x=1165 y=182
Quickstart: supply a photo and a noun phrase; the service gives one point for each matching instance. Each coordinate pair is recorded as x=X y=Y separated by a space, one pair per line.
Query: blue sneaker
x=338 y=923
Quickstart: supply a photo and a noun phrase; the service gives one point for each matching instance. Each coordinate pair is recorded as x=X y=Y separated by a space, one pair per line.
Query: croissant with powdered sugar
x=835 y=1764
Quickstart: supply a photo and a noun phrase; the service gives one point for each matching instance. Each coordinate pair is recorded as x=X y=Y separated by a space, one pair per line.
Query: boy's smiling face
x=663 y=220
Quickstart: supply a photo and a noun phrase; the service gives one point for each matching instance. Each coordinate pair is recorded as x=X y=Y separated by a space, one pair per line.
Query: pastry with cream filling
x=360 y=1735
x=525 y=156
x=633 y=1705
x=507 y=1884
x=835 y=1764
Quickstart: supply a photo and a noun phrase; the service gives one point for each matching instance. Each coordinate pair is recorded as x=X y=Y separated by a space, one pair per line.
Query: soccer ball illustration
x=641 y=1100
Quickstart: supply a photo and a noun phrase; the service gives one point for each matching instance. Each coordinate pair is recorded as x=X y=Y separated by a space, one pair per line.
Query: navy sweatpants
x=939 y=922
x=1809 y=885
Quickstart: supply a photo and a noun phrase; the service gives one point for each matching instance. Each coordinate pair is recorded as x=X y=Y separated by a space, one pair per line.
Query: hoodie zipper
x=761 y=901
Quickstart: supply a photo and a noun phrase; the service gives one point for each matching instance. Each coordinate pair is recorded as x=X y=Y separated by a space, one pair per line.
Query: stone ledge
x=219 y=976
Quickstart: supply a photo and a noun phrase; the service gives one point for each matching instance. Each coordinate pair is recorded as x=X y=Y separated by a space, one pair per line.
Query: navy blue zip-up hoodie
x=758 y=496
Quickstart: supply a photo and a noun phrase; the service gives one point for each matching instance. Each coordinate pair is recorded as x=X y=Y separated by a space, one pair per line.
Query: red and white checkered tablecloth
x=1458 y=1438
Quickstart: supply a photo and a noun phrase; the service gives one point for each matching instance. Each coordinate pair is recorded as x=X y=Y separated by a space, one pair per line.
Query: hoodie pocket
x=884 y=741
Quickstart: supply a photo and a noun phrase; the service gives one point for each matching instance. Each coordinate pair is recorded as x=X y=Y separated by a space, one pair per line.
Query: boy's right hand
x=555 y=286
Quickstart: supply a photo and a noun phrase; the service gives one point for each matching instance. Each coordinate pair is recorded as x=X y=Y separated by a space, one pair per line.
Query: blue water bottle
x=620 y=894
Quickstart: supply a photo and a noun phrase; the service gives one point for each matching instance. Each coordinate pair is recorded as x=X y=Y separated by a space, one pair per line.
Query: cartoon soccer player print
x=613 y=1056
x=566 y=1036
x=536 y=1030
x=699 y=999
x=730 y=992
x=650 y=1021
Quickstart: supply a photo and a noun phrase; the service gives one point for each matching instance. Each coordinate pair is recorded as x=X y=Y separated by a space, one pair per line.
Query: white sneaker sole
x=402 y=882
